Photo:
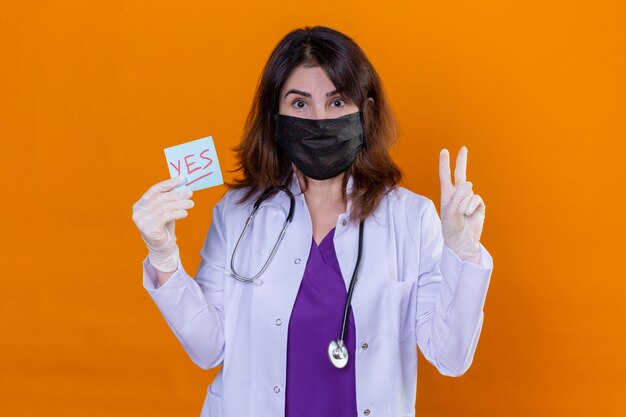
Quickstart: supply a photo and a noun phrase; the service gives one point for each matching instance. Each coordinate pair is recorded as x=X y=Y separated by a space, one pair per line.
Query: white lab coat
x=411 y=289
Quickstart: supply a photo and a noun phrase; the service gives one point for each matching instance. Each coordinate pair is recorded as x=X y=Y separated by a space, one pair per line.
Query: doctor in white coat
x=320 y=125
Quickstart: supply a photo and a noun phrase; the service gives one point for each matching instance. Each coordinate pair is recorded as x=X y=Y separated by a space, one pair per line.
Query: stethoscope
x=337 y=351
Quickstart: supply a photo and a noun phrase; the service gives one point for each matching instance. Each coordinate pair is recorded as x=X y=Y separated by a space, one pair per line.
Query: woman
x=288 y=340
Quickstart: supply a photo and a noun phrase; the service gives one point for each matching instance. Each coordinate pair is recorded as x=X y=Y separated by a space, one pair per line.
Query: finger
x=461 y=166
x=471 y=206
x=177 y=205
x=479 y=204
x=447 y=189
x=138 y=205
x=476 y=204
x=172 y=195
x=165 y=186
x=174 y=215
x=466 y=203
x=155 y=215
x=461 y=192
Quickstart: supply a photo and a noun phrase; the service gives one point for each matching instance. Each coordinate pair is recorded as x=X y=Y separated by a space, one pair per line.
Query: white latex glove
x=462 y=211
x=155 y=214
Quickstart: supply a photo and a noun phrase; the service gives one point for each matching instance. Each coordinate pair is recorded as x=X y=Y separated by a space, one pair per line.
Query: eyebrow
x=305 y=94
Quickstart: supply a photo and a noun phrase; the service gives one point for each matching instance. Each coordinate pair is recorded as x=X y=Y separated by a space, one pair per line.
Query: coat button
x=364 y=346
x=276 y=389
x=344 y=222
x=296 y=261
x=366 y=412
x=278 y=322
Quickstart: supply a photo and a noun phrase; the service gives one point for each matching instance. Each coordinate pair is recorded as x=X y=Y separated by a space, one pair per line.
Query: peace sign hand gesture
x=462 y=211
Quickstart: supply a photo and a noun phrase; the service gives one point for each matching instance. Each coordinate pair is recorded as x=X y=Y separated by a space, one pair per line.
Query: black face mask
x=320 y=148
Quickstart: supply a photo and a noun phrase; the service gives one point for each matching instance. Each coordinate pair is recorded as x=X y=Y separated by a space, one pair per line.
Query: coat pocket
x=401 y=296
x=212 y=406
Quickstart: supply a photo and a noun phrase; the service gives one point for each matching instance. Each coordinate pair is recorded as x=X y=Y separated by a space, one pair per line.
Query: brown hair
x=262 y=162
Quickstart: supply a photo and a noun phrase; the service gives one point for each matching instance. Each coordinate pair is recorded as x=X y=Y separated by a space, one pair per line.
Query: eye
x=300 y=104
x=341 y=102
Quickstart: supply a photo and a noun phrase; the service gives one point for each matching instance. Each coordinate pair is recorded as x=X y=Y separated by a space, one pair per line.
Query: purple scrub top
x=315 y=388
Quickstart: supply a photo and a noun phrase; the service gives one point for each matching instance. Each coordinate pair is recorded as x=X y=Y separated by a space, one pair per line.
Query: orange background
x=91 y=93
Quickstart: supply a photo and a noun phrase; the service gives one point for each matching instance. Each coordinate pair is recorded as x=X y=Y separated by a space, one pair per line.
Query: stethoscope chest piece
x=338 y=354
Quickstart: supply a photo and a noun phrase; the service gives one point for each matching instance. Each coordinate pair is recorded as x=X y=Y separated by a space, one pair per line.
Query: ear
x=370 y=101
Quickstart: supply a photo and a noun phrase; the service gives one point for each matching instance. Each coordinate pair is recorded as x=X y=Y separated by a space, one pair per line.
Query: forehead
x=309 y=79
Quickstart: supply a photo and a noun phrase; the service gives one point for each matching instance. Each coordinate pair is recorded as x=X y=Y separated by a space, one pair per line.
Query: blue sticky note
x=197 y=162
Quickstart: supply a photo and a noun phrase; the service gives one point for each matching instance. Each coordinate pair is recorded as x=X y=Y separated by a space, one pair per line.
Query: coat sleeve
x=450 y=299
x=194 y=308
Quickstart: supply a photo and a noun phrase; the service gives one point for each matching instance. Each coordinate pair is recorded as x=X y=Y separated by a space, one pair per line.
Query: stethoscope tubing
x=257 y=204
x=353 y=281
x=339 y=343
